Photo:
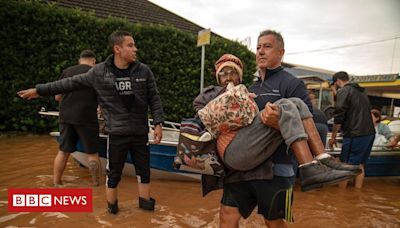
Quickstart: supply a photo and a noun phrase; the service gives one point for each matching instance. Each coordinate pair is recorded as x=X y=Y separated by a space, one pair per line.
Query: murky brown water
x=26 y=162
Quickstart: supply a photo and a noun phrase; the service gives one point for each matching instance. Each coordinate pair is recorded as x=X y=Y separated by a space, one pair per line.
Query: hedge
x=38 y=40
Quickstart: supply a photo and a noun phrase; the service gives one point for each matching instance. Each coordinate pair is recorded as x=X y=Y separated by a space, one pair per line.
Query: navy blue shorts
x=274 y=198
x=356 y=150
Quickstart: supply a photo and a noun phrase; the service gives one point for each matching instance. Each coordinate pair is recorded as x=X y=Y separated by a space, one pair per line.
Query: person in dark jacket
x=295 y=127
x=352 y=114
x=78 y=120
x=125 y=89
x=229 y=70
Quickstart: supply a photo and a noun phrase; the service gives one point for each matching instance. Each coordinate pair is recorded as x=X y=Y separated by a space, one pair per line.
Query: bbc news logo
x=50 y=200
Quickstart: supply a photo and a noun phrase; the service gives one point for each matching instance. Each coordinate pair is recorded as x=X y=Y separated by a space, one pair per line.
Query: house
x=136 y=11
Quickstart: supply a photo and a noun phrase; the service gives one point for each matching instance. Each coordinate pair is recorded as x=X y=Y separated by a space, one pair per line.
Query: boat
x=381 y=163
x=161 y=155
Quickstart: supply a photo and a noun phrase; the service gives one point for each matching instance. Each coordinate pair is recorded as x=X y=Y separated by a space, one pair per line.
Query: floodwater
x=26 y=162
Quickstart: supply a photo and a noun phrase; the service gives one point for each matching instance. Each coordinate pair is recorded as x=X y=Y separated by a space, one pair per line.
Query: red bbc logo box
x=50 y=200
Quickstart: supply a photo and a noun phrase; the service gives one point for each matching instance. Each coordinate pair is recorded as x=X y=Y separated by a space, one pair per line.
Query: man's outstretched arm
x=28 y=94
x=64 y=85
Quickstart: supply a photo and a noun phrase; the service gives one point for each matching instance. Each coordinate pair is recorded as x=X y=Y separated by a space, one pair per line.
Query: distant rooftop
x=301 y=71
x=136 y=11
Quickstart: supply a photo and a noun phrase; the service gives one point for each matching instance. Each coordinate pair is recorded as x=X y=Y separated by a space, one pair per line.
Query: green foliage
x=39 y=40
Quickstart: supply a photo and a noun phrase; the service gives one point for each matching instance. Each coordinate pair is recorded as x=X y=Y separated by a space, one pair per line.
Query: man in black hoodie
x=353 y=115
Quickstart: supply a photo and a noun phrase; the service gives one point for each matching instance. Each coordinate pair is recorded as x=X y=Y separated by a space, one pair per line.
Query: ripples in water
x=27 y=162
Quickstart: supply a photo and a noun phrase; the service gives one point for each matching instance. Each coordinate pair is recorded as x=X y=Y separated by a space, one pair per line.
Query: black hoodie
x=353 y=111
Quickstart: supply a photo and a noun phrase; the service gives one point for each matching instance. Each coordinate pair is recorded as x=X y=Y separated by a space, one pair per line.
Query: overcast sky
x=365 y=29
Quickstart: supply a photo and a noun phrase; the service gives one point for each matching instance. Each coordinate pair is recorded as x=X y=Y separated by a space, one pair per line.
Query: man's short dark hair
x=342 y=75
x=117 y=37
x=87 y=54
x=277 y=35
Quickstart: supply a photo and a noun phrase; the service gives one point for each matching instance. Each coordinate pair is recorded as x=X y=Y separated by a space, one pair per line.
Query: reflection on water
x=26 y=162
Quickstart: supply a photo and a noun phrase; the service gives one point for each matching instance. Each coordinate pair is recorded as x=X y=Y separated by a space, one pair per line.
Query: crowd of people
x=260 y=158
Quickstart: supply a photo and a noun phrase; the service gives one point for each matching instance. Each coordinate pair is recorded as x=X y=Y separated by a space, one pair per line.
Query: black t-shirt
x=78 y=107
x=123 y=85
